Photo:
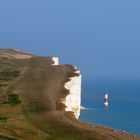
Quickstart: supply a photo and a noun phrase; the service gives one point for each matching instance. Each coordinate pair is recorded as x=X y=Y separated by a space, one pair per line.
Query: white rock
x=76 y=70
x=83 y=108
x=56 y=60
x=73 y=99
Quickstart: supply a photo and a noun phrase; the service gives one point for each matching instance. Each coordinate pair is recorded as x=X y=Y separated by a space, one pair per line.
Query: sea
x=123 y=112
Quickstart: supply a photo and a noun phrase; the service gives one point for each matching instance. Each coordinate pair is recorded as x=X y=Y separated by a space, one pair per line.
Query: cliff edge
x=40 y=100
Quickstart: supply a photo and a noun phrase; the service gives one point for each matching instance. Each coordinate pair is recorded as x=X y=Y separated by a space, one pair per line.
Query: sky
x=100 y=37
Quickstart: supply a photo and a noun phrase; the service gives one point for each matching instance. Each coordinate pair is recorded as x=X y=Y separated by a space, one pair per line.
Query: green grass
x=7 y=138
x=8 y=73
x=3 y=119
x=8 y=70
x=12 y=100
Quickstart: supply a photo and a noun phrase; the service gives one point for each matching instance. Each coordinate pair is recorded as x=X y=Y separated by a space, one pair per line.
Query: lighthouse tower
x=106 y=100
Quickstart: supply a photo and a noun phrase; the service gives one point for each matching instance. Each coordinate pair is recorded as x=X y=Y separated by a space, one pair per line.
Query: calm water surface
x=124 y=104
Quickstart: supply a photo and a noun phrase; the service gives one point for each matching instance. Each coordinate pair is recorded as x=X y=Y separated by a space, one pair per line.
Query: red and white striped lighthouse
x=106 y=99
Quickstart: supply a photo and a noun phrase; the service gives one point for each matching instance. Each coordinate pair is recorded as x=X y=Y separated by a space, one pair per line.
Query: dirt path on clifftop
x=41 y=90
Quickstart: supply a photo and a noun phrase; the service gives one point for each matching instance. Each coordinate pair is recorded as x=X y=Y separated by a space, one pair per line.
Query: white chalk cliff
x=56 y=60
x=73 y=99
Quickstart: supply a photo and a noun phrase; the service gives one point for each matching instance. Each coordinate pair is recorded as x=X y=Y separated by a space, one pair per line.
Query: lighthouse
x=106 y=100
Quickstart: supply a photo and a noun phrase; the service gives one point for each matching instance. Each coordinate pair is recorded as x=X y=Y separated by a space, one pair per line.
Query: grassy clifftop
x=31 y=90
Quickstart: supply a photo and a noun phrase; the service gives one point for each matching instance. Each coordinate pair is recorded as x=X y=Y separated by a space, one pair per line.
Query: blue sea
x=123 y=112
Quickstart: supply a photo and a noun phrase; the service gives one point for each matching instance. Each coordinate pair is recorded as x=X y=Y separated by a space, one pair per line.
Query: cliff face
x=55 y=60
x=73 y=99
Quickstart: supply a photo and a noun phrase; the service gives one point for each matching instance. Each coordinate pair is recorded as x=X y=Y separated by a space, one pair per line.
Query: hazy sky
x=101 y=37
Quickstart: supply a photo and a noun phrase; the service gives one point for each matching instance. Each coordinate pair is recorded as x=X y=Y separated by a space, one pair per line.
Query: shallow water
x=124 y=104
